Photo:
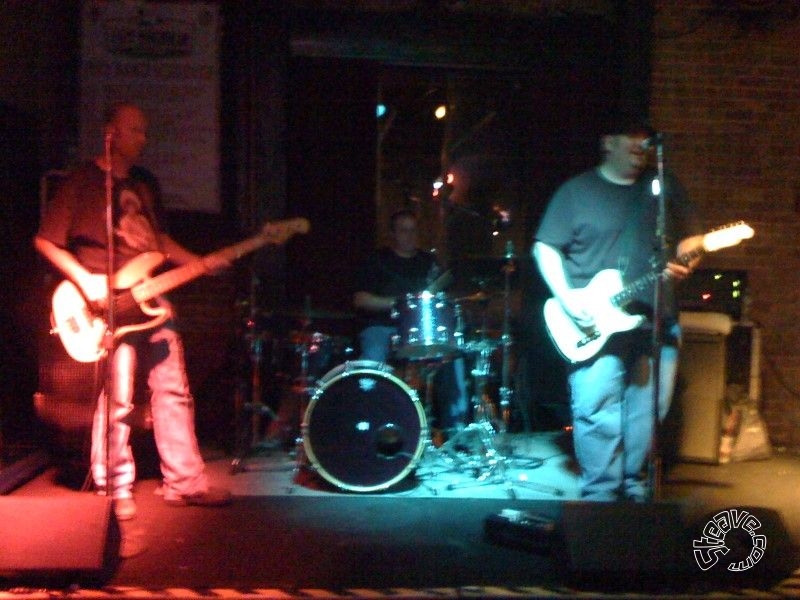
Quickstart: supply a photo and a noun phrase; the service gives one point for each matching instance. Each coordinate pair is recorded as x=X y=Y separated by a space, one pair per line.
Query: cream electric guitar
x=607 y=296
x=81 y=326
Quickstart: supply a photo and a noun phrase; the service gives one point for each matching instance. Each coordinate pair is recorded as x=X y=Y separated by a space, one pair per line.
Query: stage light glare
x=656 y=187
x=380 y=110
x=440 y=112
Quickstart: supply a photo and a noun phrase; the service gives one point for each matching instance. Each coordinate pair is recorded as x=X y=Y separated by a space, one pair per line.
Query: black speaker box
x=701 y=396
x=623 y=541
x=63 y=539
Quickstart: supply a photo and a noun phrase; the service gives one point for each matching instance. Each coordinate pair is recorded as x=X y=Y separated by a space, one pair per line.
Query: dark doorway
x=331 y=150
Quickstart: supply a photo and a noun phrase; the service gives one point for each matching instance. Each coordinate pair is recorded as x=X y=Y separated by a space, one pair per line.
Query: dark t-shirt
x=588 y=219
x=75 y=218
x=384 y=273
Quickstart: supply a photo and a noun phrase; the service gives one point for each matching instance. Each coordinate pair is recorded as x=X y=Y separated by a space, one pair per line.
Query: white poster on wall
x=164 y=56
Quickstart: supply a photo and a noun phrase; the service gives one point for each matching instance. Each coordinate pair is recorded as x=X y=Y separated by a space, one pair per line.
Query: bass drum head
x=364 y=429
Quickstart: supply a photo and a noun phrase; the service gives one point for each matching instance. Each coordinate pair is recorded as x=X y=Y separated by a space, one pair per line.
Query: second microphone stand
x=654 y=466
x=109 y=343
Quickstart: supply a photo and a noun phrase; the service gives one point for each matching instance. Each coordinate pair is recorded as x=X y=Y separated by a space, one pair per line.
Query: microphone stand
x=108 y=341
x=654 y=455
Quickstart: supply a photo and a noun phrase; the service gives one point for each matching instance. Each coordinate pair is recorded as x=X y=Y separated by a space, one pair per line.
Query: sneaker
x=124 y=508
x=213 y=496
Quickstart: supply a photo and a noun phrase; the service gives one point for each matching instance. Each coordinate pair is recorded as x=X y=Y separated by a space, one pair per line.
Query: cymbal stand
x=306 y=385
x=255 y=408
x=506 y=341
x=483 y=458
x=423 y=381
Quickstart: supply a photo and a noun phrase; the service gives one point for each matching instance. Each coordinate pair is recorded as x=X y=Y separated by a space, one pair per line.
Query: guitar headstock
x=727 y=236
x=278 y=232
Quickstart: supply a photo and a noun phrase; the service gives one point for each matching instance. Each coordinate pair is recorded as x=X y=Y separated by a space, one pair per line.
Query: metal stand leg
x=475 y=449
x=250 y=415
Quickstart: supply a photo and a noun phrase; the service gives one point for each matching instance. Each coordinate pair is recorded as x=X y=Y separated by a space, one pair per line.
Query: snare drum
x=427 y=327
x=364 y=429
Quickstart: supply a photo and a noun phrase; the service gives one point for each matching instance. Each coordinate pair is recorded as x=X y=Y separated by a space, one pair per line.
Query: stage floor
x=293 y=533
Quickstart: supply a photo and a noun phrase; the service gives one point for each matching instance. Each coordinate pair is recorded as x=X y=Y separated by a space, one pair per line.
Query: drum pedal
x=520 y=529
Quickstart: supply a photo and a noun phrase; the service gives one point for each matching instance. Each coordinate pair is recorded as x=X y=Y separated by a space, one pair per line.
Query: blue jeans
x=172 y=408
x=613 y=414
x=376 y=342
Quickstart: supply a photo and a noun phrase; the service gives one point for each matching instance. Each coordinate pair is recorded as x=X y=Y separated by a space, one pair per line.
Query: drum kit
x=363 y=428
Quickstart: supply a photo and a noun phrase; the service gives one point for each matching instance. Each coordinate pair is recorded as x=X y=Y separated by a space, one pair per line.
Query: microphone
x=652 y=141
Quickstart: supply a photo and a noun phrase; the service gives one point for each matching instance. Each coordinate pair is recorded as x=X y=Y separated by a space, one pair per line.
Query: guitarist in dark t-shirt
x=603 y=221
x=72 y=236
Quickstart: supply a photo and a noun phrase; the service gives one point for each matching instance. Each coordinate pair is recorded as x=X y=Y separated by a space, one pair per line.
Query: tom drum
x=427 y=327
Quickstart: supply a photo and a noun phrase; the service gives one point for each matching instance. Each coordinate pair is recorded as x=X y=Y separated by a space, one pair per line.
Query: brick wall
x=728 y=93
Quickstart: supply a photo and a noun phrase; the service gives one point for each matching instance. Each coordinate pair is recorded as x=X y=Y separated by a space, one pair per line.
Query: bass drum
x=364 y=429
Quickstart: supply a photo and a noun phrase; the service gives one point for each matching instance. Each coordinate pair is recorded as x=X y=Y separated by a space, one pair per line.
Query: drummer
x=387 y=275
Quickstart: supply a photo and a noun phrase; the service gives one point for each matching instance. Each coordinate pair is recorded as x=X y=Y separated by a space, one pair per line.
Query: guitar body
x=576 y=344
x=81 y=331
x=605 y=297
x=82 y=328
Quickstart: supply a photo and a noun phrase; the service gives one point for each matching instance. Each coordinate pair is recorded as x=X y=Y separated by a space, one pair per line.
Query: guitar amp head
x=714 y=290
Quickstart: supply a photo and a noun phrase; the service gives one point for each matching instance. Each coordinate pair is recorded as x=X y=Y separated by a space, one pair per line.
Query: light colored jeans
x=613 y=416
x=172 y=408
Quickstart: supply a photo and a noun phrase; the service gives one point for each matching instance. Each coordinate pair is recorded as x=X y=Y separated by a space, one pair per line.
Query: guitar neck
x=174 y=278
x=621 y=299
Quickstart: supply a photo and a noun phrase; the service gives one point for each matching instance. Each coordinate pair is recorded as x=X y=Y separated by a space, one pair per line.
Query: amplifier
x=714 y=368
x=714 y=290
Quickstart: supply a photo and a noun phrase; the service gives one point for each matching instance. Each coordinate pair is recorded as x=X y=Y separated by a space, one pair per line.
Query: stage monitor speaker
x=63 y=539
x=623 y=540
x=700 y=396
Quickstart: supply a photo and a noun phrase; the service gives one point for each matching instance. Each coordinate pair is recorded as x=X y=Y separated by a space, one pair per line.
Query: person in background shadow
x=73 y=237
x=605 y=218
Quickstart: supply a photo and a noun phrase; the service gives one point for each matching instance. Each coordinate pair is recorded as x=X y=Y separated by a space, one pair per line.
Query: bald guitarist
x=72 y=236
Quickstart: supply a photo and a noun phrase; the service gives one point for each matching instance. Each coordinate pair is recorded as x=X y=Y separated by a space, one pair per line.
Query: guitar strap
x=626 y=242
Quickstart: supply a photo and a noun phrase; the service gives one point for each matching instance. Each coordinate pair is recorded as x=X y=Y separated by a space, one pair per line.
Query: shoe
x=213 y=496
x=124 y=508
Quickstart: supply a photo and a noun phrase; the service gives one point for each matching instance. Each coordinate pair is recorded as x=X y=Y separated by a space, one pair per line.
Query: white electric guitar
x=80 y=325
x=607 y=296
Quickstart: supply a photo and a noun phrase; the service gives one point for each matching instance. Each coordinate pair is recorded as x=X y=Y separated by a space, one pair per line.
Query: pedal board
x=520 y=529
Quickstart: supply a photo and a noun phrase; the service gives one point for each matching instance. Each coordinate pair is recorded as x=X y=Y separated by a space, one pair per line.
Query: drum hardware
x=248 y=431
x=506 y=340
x=420 y=376
x=475 y=448
x=299 y=357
